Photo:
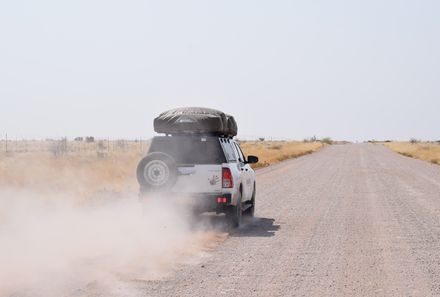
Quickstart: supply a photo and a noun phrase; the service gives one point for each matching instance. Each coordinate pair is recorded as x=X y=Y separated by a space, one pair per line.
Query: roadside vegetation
x=427 y=151
x=82 y=168
x=82 y=177
x=271 y=152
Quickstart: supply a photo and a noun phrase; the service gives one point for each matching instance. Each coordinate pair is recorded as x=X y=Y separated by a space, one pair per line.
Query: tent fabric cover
x=195 y=120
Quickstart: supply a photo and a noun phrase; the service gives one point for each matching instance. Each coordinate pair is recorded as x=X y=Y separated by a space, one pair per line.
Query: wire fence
x=98 y=146
x=101 y=147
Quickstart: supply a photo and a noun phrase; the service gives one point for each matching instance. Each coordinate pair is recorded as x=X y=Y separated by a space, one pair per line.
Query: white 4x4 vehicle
x=212 y=170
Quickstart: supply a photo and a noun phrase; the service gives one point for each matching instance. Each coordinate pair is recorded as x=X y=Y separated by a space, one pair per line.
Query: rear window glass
x=190 y=149
x=239 y=153
x=230 y=155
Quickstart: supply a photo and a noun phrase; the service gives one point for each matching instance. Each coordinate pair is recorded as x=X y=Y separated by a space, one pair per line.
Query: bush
x=275 y=147
x=327 y=140
x=414 y=140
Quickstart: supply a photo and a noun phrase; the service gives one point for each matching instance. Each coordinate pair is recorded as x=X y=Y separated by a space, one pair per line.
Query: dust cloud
x=51 y=245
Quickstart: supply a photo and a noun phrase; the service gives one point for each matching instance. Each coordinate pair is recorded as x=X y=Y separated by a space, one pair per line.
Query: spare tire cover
x=157 y=171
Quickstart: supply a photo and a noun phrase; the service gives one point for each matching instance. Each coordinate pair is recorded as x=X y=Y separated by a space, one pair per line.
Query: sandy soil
x=352 y=220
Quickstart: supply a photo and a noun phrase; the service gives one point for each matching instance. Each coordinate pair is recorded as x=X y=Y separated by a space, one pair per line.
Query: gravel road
x=350 y=220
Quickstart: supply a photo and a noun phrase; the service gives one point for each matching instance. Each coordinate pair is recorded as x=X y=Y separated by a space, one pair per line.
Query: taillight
x=227 y=181
x=222 y=200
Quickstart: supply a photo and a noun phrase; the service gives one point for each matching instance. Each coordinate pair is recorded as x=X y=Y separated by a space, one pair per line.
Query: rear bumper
x=211 y=202
x=199 y=202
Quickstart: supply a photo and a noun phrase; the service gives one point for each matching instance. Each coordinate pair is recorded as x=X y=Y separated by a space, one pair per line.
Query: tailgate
x=199 y=179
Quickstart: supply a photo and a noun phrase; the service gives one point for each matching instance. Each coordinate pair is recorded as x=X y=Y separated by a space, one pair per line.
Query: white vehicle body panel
x=199 y=179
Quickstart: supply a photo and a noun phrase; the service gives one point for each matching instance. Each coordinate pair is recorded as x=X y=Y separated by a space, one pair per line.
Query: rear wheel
x=250 y=211
x=234 y=214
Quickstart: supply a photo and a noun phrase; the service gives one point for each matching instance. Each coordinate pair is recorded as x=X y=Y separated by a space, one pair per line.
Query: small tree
x=311 y=139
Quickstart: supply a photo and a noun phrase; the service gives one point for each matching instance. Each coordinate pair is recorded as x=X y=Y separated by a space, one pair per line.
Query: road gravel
x=350 y=220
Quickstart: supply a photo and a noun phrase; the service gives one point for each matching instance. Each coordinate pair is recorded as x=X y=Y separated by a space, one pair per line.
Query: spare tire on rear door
x=157 y=171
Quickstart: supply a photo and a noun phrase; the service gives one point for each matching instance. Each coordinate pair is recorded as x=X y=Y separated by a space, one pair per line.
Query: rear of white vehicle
x=209 y=170
x=198 y=159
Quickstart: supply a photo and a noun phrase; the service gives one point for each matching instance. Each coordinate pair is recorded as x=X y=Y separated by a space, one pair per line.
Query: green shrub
x=327 y=140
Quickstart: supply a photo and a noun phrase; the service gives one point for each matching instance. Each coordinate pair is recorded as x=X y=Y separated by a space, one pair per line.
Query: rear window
x=190 y=149
x=229 y=151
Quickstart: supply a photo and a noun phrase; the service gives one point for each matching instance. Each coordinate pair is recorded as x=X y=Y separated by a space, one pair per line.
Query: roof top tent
x=196 y=120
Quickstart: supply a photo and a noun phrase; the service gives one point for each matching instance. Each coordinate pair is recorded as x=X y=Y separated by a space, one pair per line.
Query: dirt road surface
x=351 y=220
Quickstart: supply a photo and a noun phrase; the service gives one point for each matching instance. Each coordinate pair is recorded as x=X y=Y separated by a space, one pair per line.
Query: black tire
x=156 y=172
x=234 y=214
x=250 y=212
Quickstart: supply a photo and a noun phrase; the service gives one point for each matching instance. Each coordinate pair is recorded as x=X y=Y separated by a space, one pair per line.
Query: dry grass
x=81 y=177
x=79 y=169
x=271 y=152
x=86 y=173
x=425 y=151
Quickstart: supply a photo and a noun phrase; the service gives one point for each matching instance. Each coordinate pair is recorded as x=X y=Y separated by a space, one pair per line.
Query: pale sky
x=351 y=70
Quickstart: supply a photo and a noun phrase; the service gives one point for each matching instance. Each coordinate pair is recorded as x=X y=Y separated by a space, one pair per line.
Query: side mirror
x=252 y=160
